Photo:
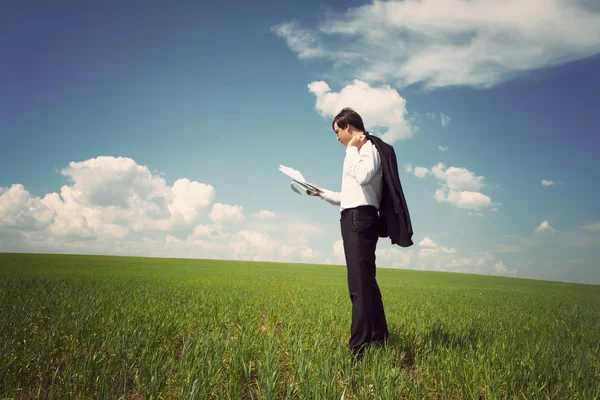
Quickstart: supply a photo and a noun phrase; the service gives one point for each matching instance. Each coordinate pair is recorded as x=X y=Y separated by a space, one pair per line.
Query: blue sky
x=158 y=130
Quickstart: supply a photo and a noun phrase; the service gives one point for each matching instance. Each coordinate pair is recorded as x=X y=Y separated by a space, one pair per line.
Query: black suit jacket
x=393 y=213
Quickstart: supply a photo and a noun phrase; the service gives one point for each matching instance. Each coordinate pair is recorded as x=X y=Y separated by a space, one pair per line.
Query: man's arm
x=331 y=197
x=363 y=166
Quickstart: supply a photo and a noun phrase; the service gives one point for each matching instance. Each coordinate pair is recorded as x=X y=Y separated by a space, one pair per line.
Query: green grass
x=126 y=327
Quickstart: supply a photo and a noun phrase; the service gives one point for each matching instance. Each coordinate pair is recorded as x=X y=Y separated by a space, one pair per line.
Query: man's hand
x=357 y=140
x=308 y=192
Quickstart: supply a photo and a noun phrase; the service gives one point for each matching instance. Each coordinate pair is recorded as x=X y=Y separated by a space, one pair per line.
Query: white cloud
x=477 y=214
x=394 y=258
x=442 y=258
x=500 y=267
x=116 y=190
x=202 y=230
x=337 y=256
x=431 y=115
x=593 y=227
x=430 y=256
x=380 y=107
x=338 y=248
x=547 y=183
x=453 y=42
x=460 y=187
x=458 y=178
x=436 y=251
x=543 y=227
x=115 y=206
x=463 y=199
x=301 y=41
x=427 y=242
x=445 y=119
x=414 y=116
x=226 y=214
x=290 y=229
x=190 y=198
x=420 y=172
x=408 y=168
x=18 y=209
x=264 y=214
x=443 y=148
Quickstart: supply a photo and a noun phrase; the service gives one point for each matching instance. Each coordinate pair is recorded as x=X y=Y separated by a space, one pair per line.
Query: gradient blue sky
x=219 y=95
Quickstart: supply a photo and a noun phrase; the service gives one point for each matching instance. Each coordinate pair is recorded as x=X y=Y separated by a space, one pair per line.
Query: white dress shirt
x=361 y=179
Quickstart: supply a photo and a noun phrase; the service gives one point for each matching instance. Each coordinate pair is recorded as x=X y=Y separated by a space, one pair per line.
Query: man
x=359 y=201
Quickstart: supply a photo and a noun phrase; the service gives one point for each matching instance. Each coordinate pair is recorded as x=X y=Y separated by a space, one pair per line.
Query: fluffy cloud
x=432 y=248
x=445 y=119
x=478 y=263
x=420 y=172
x=395 y=258
x=463 y=199
x=190 y=198
x=458 y=178
x=460 y=187
x=264 y=214
x=301 y=41
x=436 y=250
x=380 y=107
x=543 y=227
x=430 y=257
x=455 y=42
x=112 y=192
x=427 y=242
x=115 y=206
x=19 y=210
x=337 y=255
x=547 y=183
x=226 y=214
x=443 y=148
x=441 y=258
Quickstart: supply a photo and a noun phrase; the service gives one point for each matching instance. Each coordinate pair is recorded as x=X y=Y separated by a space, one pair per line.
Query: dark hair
x=348 y=117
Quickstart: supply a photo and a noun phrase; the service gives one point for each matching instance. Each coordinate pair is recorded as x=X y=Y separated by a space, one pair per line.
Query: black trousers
x=360 y=232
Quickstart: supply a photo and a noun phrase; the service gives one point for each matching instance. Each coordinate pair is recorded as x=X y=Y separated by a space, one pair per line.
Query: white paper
x=292 y=173
x=298 y=179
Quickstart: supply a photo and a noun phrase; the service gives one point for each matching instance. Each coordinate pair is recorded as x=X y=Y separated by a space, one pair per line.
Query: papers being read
x=298 y=180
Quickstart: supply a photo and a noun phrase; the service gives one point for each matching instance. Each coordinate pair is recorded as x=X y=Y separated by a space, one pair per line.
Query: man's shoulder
x=379 y=144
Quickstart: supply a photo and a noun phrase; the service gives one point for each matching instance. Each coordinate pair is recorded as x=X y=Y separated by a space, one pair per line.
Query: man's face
x=343 y=135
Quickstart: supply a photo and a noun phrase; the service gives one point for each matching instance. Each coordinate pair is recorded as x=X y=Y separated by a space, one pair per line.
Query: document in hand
x=298 y=180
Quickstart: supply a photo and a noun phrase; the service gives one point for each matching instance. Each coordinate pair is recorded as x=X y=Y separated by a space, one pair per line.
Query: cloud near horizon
x=144 y=216
x=474 y=43
x=115 y=206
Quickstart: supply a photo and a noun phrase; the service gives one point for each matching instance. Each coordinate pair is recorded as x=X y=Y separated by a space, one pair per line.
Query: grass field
x=125 y=327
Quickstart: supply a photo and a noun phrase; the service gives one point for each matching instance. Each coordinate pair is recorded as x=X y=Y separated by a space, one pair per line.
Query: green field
x=127 y=327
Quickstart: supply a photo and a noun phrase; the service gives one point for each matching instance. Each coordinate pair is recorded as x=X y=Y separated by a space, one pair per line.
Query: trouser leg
x=380 y=329
x=360 y=234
